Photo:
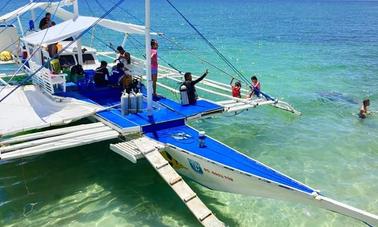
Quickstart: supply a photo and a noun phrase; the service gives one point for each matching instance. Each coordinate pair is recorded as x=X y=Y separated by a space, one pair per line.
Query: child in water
x=255 y=88
x=235 y=88
x=364 y=109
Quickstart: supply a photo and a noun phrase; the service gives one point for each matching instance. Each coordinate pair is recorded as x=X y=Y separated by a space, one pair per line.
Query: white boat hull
x=222 y=178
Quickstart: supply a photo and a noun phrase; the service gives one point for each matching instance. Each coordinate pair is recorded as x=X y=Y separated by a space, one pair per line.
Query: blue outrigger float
x=160 y=127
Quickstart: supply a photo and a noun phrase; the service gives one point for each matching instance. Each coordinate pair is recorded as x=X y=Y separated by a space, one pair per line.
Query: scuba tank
x=125 y=103
x=139 y=98
x=133 y=108
x=201 y=139
x=184 y=95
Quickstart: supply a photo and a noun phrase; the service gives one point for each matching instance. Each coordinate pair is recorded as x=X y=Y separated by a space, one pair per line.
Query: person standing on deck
x=190 y=86
x=154 y=65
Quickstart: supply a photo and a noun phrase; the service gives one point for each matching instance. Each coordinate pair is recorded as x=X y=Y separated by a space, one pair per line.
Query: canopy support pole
x=76 y=9
x=32 y=13
x=148 y=56
x=124 y=40
x=20 y=25
x=78 y=42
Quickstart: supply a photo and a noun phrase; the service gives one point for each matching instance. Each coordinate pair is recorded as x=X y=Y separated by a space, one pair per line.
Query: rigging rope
x=14 y=20
x=179 y=46
x=211 y=45
x=144 y=56
x=241 y=76
x=24 y=64
x=6 y=4
x=61 y=51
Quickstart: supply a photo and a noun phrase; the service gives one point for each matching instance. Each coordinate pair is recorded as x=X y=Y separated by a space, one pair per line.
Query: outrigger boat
x=158 y=130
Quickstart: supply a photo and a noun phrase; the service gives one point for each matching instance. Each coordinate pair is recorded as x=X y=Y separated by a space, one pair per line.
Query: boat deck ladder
x=150 y=149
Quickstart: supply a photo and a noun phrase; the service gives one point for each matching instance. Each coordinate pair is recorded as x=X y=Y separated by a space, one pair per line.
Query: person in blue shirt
x=117 y=73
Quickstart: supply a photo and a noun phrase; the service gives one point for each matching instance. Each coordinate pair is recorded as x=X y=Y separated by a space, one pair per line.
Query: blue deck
x=169 y=119
x=165 y=110
x=222 y=154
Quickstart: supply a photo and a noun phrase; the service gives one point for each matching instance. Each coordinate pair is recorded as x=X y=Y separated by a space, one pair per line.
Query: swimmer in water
x=364 y=109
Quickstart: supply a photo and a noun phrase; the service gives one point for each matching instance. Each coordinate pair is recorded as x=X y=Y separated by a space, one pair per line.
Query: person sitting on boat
x=45 y=22
x=235 y=88
x=126 y=82
x=364 y=109
x=154 y=65
x=52 y=48
x=76 y=73
x=117 y=73
x=255 y=88
x=123 y=56
x=190 y=86
x=102 y=74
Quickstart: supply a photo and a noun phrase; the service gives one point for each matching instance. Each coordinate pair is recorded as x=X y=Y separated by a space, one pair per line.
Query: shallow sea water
x=320 y=56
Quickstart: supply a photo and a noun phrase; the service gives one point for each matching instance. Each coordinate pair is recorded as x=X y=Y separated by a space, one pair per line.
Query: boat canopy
x=73 y=28
x=20 y=11
x=33 y=5
x=28 y=108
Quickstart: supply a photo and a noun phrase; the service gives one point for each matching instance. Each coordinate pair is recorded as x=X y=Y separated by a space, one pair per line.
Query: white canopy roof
x=73 y=28
x=20 y=11
x=69 y=28
x=48 y=5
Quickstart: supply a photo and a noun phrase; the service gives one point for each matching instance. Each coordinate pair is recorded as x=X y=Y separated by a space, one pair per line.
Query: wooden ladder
x=150 y=150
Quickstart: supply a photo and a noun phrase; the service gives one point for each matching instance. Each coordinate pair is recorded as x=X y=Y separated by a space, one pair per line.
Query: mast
x=148 y=56
x=78 y=42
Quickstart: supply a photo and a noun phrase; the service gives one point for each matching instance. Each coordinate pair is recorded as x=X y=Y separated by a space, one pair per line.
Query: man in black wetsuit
x=190 y=86
x=102 y=74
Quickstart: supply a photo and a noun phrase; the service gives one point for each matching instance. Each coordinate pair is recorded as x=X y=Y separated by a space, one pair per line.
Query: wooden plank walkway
x=149 y=149
x=56 y=139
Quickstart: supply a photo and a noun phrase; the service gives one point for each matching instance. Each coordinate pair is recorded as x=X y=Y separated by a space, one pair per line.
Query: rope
x=14 y=20
x=241 y=76
x=24 y=64
x=169 y=64
x=211 y=45
x=57 y=54
x=111 y=47
x=194 y=54
x=6 y=4
x=179 y=46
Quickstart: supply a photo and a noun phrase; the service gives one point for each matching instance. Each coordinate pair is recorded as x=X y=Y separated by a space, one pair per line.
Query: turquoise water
x=320 y=56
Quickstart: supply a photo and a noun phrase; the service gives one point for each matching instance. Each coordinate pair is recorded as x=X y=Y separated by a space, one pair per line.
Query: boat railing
x=208 y=87
x=47 y=81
